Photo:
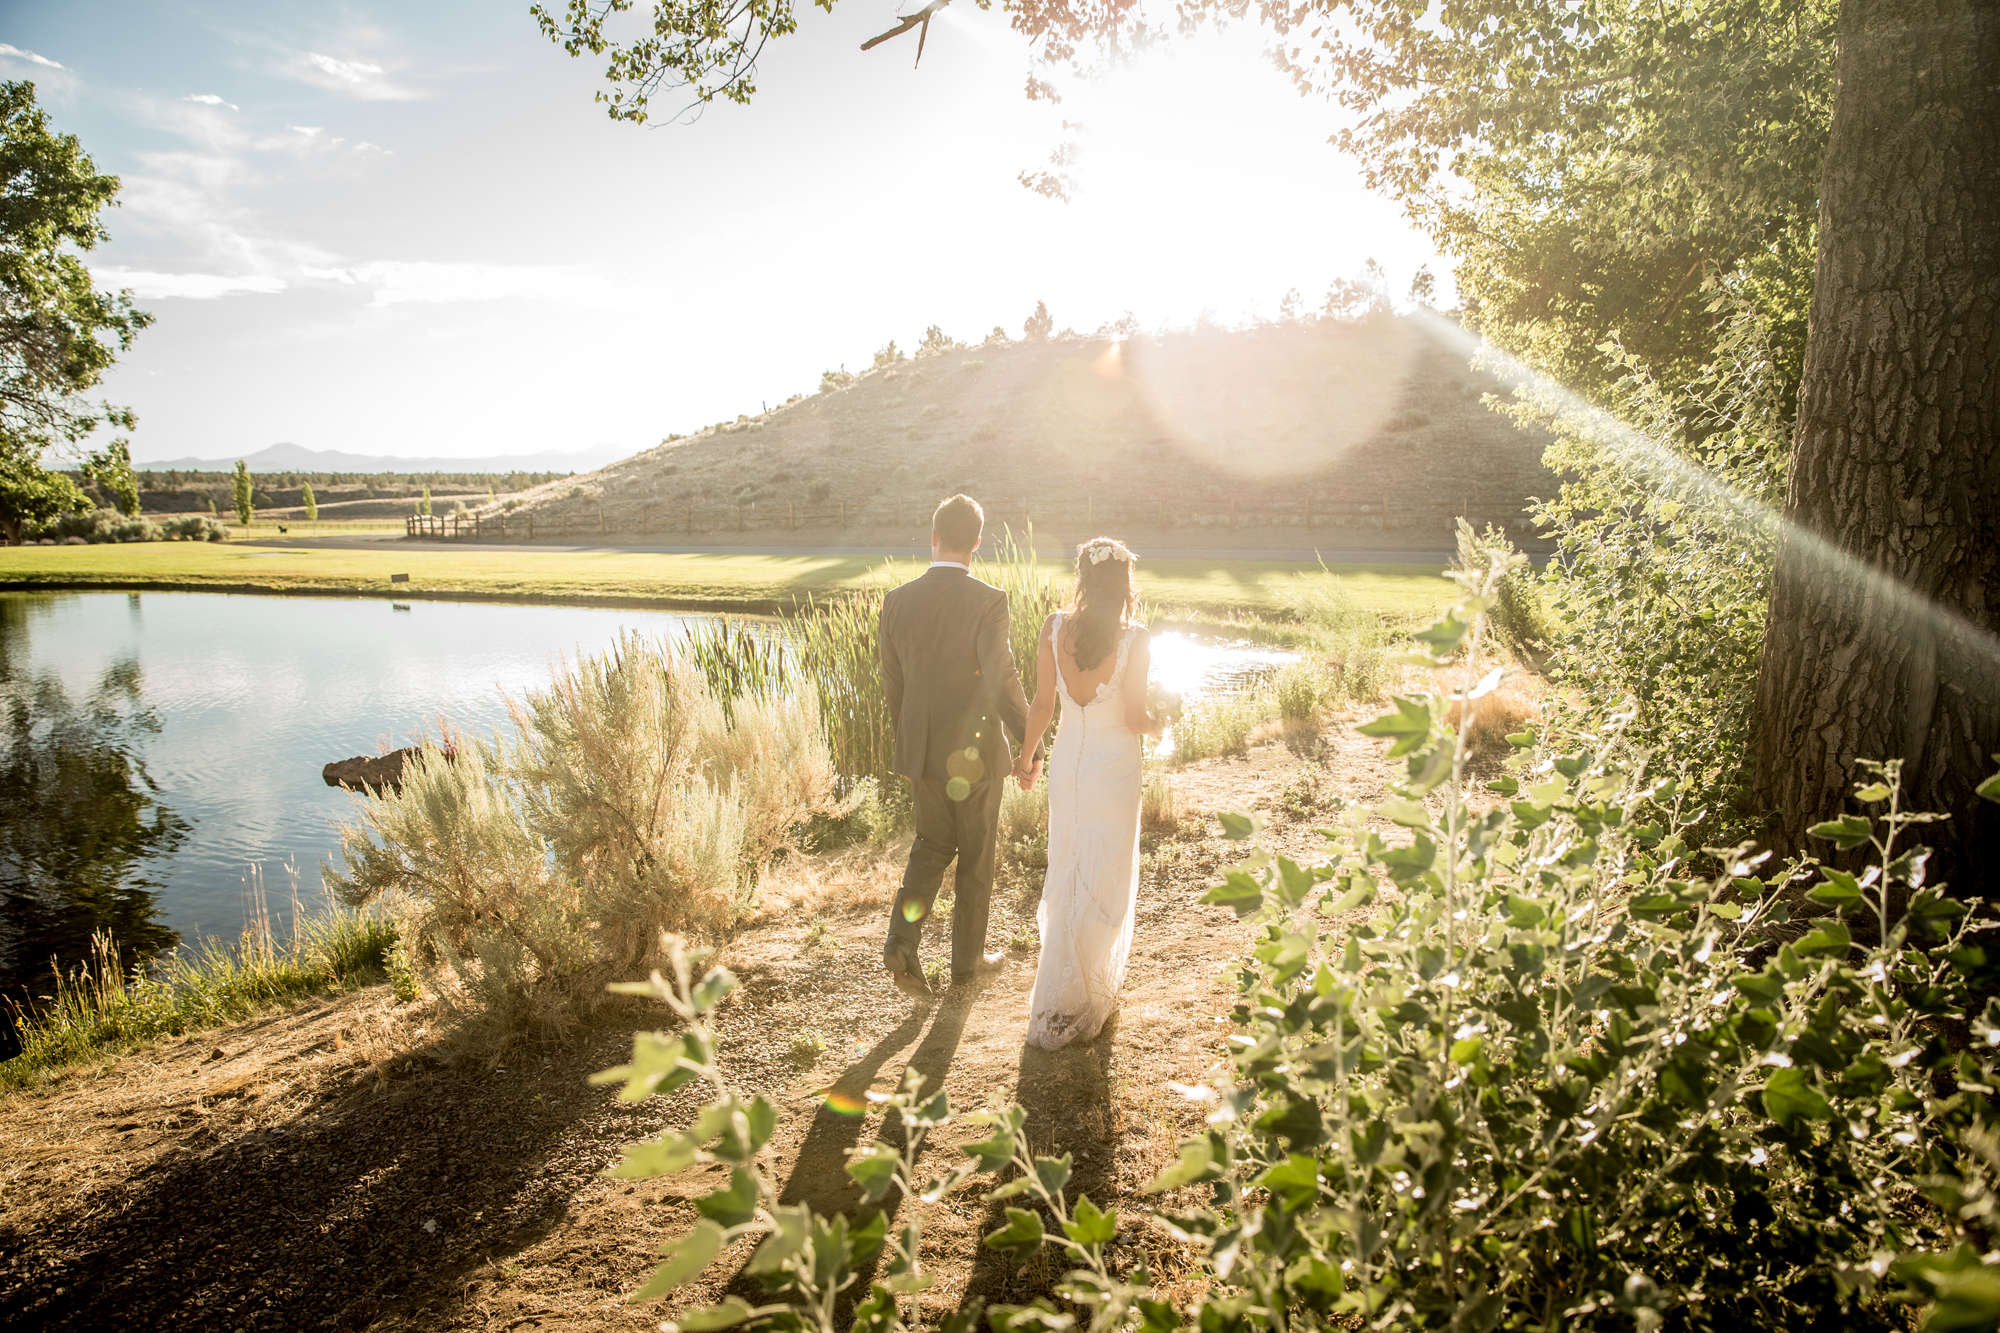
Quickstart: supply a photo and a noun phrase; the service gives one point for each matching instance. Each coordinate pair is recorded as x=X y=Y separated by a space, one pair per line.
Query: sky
x=408 y=230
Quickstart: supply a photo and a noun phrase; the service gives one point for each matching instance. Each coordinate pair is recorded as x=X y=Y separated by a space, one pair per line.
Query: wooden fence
x=1068 y=517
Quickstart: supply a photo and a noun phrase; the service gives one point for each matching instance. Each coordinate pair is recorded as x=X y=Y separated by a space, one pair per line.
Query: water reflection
x=84 y=822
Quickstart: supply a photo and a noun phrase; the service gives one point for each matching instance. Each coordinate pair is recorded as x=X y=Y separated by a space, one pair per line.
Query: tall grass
x=101 y=1006
x=629 y=802
x=831 y=650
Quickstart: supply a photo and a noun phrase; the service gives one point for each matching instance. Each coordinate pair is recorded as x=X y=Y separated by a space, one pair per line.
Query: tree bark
x=1880 y=639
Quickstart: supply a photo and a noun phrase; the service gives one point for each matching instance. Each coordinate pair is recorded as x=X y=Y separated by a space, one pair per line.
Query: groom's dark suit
x=948 y=667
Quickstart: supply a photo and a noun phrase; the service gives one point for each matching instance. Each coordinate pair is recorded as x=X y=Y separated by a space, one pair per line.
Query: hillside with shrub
x=1372 y=428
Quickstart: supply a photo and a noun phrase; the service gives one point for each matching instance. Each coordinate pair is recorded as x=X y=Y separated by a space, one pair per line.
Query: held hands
x=1027 y=772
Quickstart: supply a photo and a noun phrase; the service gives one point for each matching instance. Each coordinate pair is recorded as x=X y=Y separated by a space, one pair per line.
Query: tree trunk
x=1886 y=593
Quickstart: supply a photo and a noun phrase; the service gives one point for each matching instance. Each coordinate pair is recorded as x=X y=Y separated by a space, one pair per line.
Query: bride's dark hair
x=1106 y=600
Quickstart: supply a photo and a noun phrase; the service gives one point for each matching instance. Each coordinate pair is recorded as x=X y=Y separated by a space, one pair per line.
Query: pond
x=162 y=749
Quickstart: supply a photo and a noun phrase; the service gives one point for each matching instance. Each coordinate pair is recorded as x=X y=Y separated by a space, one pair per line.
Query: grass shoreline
x=753 y=584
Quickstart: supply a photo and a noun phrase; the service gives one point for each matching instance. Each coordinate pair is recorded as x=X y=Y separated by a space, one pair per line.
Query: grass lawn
x=721 y=581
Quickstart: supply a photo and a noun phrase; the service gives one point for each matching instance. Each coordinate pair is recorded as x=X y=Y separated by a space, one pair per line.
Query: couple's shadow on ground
x=1065 y=1093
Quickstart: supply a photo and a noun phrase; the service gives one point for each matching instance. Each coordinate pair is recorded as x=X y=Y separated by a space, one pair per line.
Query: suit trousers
x=968 y=830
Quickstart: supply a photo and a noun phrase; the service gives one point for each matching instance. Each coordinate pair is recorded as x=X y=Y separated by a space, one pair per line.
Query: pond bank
x=611 y=577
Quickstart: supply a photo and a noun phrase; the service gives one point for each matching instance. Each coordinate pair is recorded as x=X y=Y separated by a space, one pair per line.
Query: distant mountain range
x=296 y=458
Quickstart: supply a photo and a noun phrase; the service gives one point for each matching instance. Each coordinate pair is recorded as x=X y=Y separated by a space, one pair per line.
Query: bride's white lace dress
x=1093 y=880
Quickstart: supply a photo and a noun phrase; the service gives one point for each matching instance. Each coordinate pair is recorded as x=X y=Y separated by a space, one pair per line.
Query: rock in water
x=370 y=773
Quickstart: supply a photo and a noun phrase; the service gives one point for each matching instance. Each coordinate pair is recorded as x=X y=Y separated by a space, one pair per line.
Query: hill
x=316 y=462
x=1370 y=432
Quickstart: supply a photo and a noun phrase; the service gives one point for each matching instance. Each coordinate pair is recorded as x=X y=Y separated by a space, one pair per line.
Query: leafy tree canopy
x=58 y=333
x=1594 y=166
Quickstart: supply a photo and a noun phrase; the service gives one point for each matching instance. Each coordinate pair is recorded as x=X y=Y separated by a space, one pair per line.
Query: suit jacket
x=948 y=666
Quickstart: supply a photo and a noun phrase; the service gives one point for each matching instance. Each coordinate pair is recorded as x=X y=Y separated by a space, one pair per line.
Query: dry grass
x=1514 y=706
x=1372 y=413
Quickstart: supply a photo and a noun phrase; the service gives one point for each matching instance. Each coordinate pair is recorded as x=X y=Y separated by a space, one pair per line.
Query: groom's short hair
x=958 y=523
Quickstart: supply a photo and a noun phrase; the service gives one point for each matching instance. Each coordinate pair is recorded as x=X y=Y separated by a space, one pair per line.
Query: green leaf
x=726 y=1315
x=1990 y=788
x=1236 y=827
x=992 y=1154
x=1466 y=1050
x=710 y=991
x=687 y=1257
x=1409 y=726
x=1846 y=832
x=1406 y=863
x=1021 y=1237
x=655 y=1157
x=1521 y=740
x=1504 y=786
x=1294 y=1180
x=1294 y=882
x=1197 y=1163
x=656 y=1067
x=1088 y=1226
x=1830 y=937
x=864 y=1240
x=1525 y=913
x=734 y=1206
x=794 y=1228
x=874 y=1170
x=1789 y=1095
x=1445 y=634
x=1039 y=1317
x=1053 y=1173
x=1238 y=892
x=1839 y=890
x=1766 y=987
x=1874 y=791
x=1285 y=957
x=1410 y=814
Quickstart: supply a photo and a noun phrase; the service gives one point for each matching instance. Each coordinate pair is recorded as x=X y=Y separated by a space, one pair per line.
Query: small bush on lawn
x=194 y=528
x=627 y=802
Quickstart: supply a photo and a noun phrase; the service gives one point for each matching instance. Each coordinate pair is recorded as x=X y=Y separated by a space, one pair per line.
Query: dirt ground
x=331 y=1167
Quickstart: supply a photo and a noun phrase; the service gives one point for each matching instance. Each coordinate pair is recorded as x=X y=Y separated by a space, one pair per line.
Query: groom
x=948 y=667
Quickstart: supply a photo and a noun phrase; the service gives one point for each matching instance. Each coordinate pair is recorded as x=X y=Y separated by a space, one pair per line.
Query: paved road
x=365 y=541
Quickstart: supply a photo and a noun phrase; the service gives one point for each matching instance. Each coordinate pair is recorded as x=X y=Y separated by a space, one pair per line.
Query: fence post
x=690 y=510
x=1385 y=513
x=843 y=513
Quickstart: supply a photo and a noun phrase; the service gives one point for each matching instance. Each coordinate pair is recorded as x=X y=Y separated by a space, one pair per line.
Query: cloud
x=406 y=283
x=355 y=78
x=192 y=286
x=19 y=54
x=210 y=99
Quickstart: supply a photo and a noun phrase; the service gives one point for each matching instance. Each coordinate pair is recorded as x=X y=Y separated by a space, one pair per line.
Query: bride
x=1095 y=653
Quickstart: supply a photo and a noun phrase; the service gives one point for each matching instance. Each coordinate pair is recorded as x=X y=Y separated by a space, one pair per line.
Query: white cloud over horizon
x=353 y=78
x=29 y=56
x=191 y=286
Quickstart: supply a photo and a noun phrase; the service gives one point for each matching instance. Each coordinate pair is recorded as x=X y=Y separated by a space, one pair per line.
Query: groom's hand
x=1029 y=774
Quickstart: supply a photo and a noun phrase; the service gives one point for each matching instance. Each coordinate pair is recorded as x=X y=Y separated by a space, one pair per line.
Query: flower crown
x=1100 y=551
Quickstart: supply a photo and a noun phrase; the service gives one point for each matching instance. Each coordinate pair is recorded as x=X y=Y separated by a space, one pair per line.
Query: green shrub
x=311 y=504
x=1557 y=1076
x=1220 y=725
x=628 y=802
x=1665 y=538
x=194 y=528
x=1299 y=688
x=100 y=526
x=862 y=818
x=1555 y=1082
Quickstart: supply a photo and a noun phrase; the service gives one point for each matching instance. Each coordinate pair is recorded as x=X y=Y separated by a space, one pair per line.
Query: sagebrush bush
x=628 y=802
x=194 y=528
x=99 y=526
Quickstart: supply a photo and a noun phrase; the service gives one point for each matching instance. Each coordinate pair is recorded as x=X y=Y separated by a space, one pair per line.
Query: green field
x=720 y=581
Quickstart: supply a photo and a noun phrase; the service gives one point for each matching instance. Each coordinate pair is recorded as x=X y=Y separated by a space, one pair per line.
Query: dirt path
x=326 y=1168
